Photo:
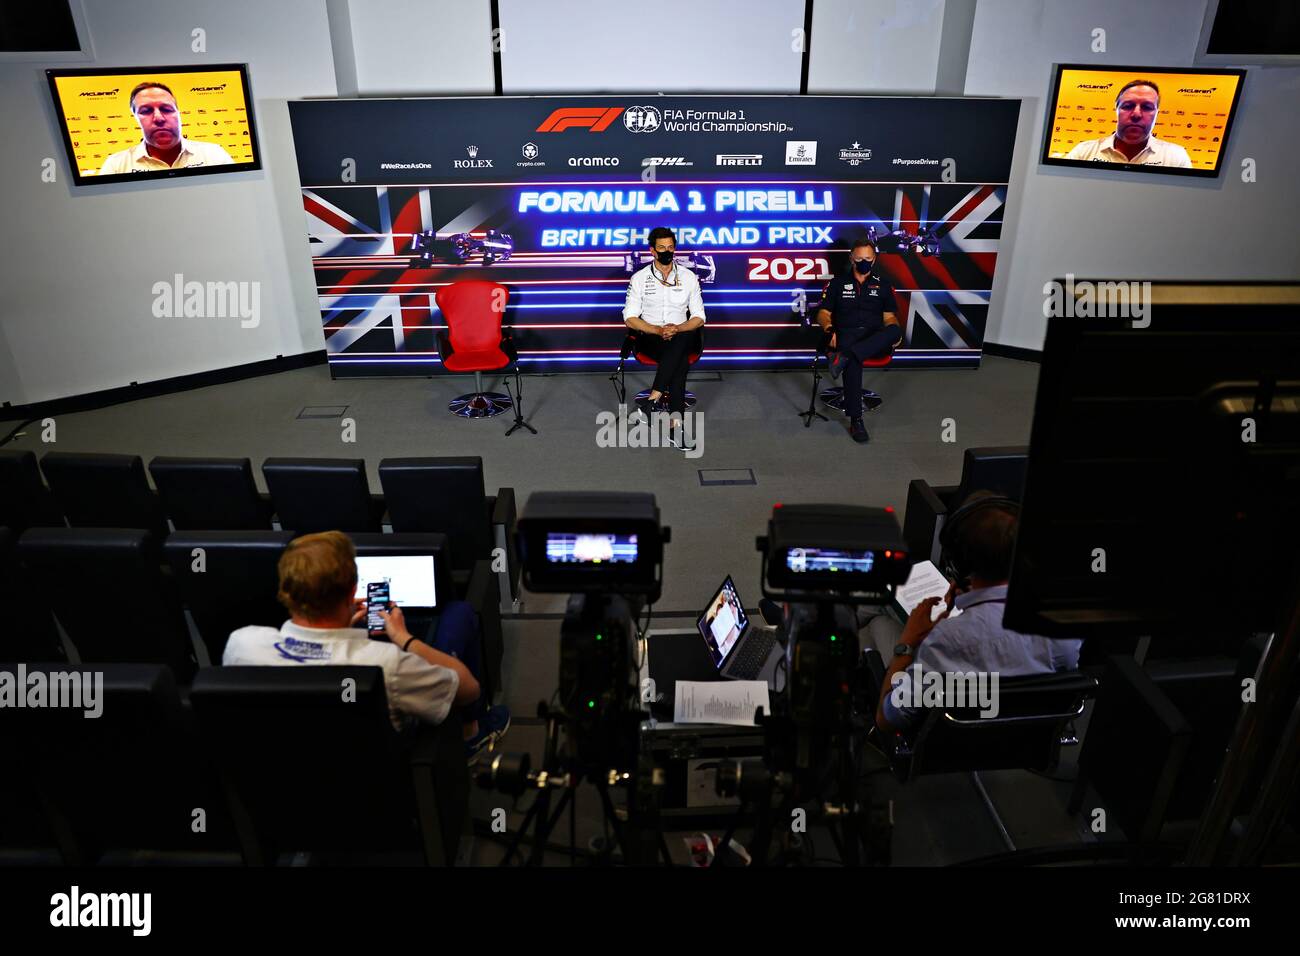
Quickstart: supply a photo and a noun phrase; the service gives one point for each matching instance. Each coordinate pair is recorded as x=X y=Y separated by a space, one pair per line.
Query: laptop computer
x=738 y=652
x=411 y=578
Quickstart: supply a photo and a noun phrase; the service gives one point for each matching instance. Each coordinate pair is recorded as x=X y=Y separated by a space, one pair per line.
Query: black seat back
x=445 y=495
x=228 y=580
x=1033 y=715
x=104 y=491
x=312 y=757
x=322 y=494
x=128 y=779
x=25 y=502
x=30 y=634
x=1157 y=739
x=210 y=494
x=1000 y=470
x=107 y=588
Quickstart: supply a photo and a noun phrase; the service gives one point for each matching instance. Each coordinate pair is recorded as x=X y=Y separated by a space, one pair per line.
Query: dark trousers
x=455 y=631
x=673 y=357
x=858 y=345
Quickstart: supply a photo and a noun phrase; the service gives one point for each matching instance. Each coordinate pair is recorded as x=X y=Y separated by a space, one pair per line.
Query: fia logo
x=642 y=119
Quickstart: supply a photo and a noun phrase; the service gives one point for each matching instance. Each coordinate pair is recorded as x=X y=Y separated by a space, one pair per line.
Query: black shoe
x=645 y=407
x=836 y=364
x=677 y=436
x=858 y=431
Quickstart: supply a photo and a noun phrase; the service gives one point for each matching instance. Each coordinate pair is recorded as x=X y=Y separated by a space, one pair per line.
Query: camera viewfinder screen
x=590 y=549
x=802 y=560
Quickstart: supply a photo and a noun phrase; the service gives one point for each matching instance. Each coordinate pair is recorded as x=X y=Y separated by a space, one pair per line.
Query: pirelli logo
x=595 y=119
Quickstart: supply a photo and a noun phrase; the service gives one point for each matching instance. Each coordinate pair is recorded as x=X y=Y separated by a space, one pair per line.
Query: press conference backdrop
x=554 y=197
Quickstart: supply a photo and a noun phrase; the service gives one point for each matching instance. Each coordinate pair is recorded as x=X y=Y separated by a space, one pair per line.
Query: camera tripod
x=827 y=782
x=639 y=836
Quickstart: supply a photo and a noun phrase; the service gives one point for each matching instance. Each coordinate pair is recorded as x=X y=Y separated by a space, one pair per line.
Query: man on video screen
x=154 y=107
x=1136 y=107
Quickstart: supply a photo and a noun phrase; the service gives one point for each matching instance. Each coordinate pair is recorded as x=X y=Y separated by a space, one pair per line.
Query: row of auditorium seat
x=1184 y=707
x=250 y=763
x=82 y=490
x=121 y=594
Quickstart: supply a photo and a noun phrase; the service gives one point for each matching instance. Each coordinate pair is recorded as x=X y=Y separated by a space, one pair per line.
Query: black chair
x=25 y=835
x=1035 y=718
x=997 y=469
x=1157 y=739
x=447 y=495
x=231 y=583
x=1036 y=715
x=322 y=494
x=130 y=779
x=476 y=586
x=30 y=634
x=211 y=494
x=307 y=770
x=107 y=588
x=25 y=502
x=104 y=491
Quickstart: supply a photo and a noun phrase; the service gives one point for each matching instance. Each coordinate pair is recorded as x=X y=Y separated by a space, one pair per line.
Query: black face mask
x=863 y=266
x=665 y=258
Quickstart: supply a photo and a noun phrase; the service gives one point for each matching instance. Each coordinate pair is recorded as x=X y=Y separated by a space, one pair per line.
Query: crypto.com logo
x=595 y=119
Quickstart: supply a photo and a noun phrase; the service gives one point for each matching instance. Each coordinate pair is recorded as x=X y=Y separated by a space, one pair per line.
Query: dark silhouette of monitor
x=1148 y=508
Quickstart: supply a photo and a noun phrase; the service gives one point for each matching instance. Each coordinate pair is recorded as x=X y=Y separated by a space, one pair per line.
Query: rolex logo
x=472 y=151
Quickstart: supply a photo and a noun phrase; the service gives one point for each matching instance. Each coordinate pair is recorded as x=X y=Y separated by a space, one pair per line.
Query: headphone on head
x=952 y=552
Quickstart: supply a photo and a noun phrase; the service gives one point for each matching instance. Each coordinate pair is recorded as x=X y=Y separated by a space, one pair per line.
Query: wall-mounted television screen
x=1150 y=120
x=155 y=122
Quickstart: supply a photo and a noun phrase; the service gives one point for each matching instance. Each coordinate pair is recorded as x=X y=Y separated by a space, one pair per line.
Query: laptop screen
x=410 y=577
x=723 y=622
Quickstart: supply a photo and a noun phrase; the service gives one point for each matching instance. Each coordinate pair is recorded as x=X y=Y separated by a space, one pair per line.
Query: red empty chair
x=474 y=342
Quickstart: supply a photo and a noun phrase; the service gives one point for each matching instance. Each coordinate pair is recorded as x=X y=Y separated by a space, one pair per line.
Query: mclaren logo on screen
x=594 y=119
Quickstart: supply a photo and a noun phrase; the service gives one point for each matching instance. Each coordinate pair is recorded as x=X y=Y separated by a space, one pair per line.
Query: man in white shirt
x=162 y=146
x=665 y=308
x=1136 y=106
x=318 y=581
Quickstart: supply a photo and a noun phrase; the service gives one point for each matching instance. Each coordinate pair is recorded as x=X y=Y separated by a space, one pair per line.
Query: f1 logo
x=594 y=118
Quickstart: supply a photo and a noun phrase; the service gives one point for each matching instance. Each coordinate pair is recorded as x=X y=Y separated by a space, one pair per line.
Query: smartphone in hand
x=377 y=599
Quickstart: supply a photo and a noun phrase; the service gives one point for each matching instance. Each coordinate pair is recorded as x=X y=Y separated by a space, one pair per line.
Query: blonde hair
x=318 y=573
